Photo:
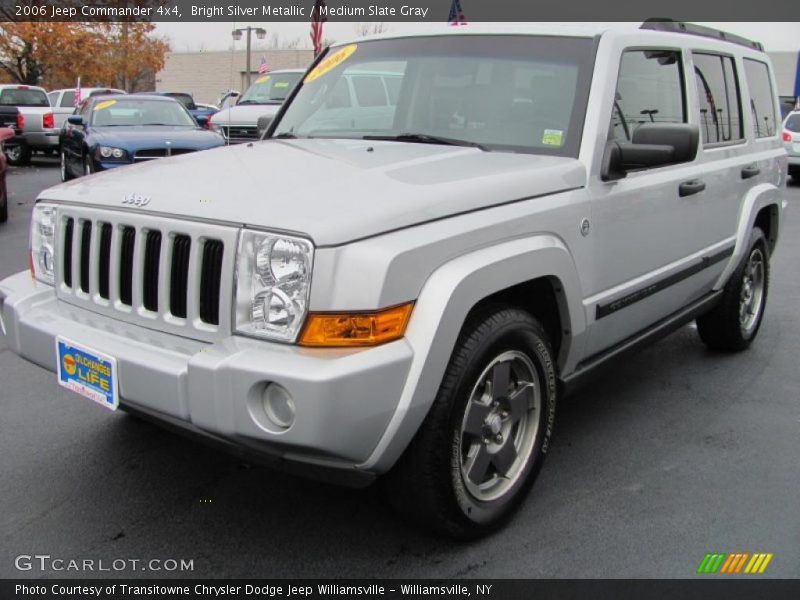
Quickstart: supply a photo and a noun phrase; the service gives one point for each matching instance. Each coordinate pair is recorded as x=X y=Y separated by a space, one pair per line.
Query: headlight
x=109 y=152
x=42 y=248
x=273 y=283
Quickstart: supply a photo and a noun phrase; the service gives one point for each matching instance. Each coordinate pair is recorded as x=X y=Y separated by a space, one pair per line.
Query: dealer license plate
x=87 y=372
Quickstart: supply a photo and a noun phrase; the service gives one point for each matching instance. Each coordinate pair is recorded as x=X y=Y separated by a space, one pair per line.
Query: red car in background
x=5 y=134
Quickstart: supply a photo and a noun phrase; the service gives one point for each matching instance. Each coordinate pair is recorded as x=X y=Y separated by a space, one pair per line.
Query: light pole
x=237 y=35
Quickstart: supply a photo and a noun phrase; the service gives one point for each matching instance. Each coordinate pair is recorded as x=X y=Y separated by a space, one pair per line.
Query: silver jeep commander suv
x=440 y=234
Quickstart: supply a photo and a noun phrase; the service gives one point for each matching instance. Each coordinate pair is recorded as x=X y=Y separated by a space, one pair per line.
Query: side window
x=68 y=99
x=53 y=98
x=720 y=115
x=762 y=98
x=649 y=90
x=369 y=90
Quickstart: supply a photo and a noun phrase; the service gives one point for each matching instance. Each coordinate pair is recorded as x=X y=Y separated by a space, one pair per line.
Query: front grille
x=238 y=135
x=162 y=273
x=151 y=153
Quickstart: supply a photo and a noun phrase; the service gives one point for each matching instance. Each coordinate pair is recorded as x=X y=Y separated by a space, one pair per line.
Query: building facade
x=207 y=75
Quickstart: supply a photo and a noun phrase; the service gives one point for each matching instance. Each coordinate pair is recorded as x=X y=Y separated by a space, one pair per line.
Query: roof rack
x=681 y=27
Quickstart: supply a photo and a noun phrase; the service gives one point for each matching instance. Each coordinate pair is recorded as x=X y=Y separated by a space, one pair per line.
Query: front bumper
x=344 y=398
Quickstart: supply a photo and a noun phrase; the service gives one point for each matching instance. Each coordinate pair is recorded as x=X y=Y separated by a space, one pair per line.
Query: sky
x=193 y=37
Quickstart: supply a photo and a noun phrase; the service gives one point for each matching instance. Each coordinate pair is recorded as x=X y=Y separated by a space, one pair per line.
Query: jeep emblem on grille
x=136 y=200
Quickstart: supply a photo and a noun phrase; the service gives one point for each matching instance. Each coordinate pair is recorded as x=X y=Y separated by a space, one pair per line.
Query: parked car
x=110 y=131
x=6 y=133
x=63 y=101
x=240 y=123
x=409 y=294
x=791 y=140
x=37 y=123
x=201 y=113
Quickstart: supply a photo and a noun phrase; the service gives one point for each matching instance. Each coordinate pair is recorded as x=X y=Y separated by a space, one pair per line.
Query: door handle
x=750 y=171
x=694 y=186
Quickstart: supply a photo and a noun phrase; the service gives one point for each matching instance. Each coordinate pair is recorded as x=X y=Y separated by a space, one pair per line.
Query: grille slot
x=126 y=265
x=179 y=275
x=210 y=281
x=104 y=260
x=68 y=232
x=86 y=247
x=152 y=255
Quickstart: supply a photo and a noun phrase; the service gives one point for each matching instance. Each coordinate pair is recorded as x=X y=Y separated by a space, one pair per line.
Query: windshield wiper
x=424 y=138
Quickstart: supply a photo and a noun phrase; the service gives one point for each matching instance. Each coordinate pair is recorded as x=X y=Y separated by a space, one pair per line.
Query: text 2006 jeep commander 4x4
x=403 y=285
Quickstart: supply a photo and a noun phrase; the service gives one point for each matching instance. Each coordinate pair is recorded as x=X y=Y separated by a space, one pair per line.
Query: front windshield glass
x=511 y=93
x=272 y=88
x=127 y=112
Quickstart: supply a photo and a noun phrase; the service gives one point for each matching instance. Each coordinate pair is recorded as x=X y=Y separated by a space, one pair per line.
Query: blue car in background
x=201 y=113
x=111 y=131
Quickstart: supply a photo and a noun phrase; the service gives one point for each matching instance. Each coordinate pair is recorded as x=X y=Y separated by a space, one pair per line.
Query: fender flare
x=442 y=307
x=758 y=197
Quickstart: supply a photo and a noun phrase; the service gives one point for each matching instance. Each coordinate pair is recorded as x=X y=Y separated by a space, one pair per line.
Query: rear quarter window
x=762 y=98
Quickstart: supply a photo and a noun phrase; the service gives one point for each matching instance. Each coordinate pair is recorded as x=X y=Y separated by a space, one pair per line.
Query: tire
x=732 y=325
x=88 y=167
x=65 y=174
x=448 y=478
x=3 y=203
x=18 y=155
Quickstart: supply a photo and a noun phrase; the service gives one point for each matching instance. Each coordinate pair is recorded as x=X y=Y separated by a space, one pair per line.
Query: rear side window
x=793 y=123
x=762 y=98
x=720 y=115
x=649 y=90
x=68 y=99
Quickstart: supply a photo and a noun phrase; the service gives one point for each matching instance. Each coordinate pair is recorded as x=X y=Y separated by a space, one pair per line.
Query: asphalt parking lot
x=673 y=454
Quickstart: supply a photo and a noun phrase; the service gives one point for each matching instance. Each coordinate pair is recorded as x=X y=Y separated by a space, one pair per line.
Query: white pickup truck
x=39 y=132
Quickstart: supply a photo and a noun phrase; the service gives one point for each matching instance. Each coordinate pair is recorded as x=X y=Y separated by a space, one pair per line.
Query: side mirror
x=202 y=120
x=653 y=145
x=6 y=133
x=75 y=120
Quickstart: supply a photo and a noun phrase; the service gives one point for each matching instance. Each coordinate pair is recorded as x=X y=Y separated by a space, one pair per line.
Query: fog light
x=278 y=405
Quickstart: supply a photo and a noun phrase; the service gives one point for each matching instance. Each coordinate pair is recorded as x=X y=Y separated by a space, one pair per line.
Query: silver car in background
x=791 y=141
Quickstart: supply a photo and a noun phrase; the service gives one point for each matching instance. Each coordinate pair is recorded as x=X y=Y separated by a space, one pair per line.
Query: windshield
x=270 y=89
x=793 y=123
x=512 y=93
x=121 y=112
x=23 y=97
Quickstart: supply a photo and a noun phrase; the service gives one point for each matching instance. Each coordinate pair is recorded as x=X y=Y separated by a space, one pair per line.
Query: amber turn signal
x=356 y=329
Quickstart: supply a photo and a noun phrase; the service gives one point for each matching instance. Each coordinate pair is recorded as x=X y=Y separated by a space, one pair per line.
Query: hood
x=136 y=137
x=246 y=114
x=334 y=191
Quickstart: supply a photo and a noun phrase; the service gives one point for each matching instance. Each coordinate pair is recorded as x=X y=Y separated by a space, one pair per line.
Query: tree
x=55 y=54
x=369 y=28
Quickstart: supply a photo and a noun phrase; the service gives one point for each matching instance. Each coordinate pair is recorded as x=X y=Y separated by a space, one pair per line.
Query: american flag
x=318 y=17
x=456 y=14
x=77 y=99
x=262 y=68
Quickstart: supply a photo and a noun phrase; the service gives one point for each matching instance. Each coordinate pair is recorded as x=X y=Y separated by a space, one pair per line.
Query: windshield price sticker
x=330 y=63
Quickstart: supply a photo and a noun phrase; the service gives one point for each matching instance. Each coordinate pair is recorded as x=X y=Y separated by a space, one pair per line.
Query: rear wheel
x=483 y=442
x=18 y=155
x=732 y=325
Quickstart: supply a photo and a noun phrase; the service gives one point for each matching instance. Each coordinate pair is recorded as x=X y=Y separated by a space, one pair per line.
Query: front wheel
x=88 y=167
x=65 y=174
x=484 y=440
x=732 y=325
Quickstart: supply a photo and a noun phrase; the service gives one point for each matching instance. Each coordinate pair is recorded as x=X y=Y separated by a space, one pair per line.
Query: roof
x=525 y=28
x=153 y=97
